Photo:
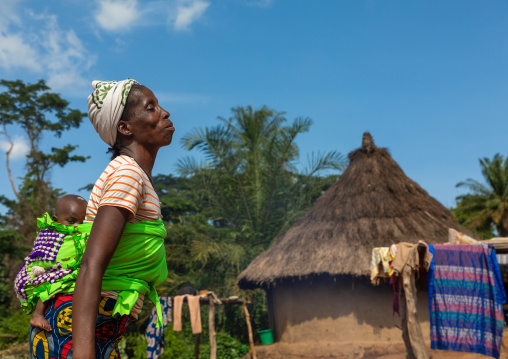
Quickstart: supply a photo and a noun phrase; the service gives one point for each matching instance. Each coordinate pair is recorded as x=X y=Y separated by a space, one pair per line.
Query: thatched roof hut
x=373 y=204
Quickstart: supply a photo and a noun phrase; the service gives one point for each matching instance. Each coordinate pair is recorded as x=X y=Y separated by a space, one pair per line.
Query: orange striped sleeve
x=144 y=218
x=122 y=205
x=123 y=188
x=137 y=180
x=151 y=195
x=131 y=186
x=120 y=192
x=149 y=211
x=151 y=204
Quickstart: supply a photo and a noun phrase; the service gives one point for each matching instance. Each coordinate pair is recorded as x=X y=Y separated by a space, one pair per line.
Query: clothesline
x=465 y=293
x=155 y=336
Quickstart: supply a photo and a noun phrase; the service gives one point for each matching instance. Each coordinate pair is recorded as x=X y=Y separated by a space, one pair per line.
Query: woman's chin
x=168 y=142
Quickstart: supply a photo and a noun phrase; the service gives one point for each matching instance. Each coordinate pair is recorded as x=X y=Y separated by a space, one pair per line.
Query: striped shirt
x=124 y=184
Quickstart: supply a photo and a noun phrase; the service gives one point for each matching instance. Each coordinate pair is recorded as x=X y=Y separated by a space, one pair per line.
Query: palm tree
x=487 y=204
x=249 y=175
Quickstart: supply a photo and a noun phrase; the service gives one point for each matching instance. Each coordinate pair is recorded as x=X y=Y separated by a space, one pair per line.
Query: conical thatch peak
x=368 y=145
x=373 y=204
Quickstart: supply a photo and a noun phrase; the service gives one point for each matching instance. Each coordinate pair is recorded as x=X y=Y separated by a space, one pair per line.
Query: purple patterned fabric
x=46 y=246
x=51 y=275
x=45 y=249
x=465 y=296
x=22 y=279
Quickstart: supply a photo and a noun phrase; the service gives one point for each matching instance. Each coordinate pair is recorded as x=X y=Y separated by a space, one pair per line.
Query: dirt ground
x=359 y=350
x=18 y=351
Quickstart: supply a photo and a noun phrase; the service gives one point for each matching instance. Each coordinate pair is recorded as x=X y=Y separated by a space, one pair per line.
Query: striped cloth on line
x=465 y=298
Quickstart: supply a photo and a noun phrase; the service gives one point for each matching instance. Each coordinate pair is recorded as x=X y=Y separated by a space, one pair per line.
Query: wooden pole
x=196 y=346
x=211 y=329
x=249 y=329
x=413 y=324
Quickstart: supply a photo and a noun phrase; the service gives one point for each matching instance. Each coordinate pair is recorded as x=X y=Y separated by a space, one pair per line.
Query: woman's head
x=145 y=122
x=126 y=113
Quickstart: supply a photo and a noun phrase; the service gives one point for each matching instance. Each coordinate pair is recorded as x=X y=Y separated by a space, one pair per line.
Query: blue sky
x=428 y=79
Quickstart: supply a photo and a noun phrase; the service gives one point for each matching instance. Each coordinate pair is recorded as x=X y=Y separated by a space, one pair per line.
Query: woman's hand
x=106 y=232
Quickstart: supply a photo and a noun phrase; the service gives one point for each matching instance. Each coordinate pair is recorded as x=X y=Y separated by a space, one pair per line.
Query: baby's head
x=70 y=209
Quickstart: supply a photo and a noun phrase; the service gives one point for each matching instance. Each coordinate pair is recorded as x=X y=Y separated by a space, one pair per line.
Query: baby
x=69 y=210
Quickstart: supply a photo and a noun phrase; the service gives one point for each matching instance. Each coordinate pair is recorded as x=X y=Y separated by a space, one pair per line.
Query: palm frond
x=317 y=162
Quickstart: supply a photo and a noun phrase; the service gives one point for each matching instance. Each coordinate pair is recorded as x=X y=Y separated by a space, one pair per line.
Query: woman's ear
x=124 y=128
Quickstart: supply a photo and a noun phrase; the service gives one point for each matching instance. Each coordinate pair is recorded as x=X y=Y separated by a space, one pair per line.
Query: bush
x=16 y=324
x=227 y=348
x=180 y=345
x=133 y=346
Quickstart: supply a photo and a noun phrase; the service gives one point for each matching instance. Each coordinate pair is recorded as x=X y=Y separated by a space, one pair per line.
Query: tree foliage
x=246 y=192
x=485 y=207
x=36 y=111
x=249 y=178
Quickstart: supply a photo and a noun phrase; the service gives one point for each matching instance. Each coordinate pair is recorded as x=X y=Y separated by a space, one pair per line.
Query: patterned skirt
x=57 y=344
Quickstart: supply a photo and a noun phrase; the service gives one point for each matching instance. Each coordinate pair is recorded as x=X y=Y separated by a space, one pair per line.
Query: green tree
x=249 y=179
x=36 y=111
x=486 y=205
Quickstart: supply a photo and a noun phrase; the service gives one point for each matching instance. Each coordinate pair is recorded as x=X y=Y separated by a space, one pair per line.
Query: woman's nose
x=165 y=113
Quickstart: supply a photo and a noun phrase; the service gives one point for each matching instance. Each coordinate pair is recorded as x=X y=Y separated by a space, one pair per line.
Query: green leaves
x=486 y=205
x=36 y=111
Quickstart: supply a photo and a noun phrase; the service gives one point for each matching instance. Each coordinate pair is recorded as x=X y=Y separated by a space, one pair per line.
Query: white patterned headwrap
x=106 y=105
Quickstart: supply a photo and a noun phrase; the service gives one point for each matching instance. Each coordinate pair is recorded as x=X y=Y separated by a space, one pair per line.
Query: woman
x=124 y=256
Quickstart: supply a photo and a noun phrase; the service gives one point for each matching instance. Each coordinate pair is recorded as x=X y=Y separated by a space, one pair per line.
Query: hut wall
x=344 y=309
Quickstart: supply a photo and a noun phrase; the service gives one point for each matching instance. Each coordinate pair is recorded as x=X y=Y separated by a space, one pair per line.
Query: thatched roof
x=373 y=204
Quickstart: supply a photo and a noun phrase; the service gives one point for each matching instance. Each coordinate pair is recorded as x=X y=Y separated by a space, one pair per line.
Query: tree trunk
x=502 y=228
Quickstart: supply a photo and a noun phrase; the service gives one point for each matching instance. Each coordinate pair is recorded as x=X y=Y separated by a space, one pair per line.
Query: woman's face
x=150 y=125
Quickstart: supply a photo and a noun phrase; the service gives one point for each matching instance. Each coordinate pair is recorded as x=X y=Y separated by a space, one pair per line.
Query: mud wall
x=338 y=309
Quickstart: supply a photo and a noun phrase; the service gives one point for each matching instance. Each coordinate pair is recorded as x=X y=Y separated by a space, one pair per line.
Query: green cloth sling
x=138 y=265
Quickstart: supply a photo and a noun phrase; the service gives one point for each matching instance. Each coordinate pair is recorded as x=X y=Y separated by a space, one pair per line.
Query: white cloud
x=41 y=46
x=15 y=52
x=20 y=149
x=8 y=14
x=117 y=15
x=189 y=12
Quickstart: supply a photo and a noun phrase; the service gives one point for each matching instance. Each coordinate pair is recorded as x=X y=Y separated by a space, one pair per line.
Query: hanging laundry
x=407 y=253
x=391 y=257
x=194 y=309
x=154 y=335
x=465 y=298
x=379 y=263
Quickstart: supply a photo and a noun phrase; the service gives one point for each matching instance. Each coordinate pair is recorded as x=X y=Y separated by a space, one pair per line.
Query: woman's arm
x=104 y=237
